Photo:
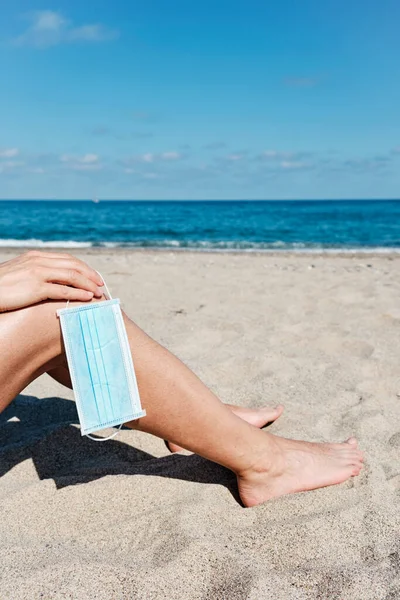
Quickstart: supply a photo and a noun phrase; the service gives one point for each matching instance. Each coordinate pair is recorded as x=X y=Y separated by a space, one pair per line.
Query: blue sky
x=212 y=99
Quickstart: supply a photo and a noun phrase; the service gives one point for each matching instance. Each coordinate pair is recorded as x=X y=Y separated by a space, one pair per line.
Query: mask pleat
x=87 y=357
x=95 y=373
x=104 y=367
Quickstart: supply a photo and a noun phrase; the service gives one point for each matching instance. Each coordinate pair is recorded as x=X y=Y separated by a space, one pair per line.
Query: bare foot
x=291 y=466
x=259 y=417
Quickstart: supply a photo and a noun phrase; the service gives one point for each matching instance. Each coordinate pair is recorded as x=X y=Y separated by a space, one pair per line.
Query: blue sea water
x=206 y=225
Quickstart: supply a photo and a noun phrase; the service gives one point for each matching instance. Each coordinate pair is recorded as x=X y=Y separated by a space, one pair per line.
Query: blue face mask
x=100 y=365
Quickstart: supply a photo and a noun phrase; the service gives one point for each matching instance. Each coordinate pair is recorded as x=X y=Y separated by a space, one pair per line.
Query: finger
x=72 y=278
x=53 y=291
x=44 y=254
x=70 y=262
x=73 y=261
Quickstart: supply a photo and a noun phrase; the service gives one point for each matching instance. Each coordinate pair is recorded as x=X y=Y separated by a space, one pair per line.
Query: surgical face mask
x=100 y=365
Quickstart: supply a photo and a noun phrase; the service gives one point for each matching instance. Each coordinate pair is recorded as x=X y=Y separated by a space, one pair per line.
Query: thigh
x=30 y=345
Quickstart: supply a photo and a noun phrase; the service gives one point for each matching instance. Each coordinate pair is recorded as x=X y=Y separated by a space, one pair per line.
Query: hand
x=37 y=276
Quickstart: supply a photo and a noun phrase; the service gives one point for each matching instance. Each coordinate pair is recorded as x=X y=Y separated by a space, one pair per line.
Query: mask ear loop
x=109 y=297
x=107 y=438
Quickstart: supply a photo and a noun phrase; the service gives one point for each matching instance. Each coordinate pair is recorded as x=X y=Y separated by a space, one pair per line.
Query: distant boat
x=95 y=200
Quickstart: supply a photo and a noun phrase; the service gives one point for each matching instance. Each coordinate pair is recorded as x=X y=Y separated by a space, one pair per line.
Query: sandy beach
x=126 y=520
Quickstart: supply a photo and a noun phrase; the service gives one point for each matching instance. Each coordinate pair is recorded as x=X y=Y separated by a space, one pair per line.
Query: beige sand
x=124 y=519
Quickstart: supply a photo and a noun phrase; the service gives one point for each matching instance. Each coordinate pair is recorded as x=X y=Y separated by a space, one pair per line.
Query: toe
x=352 y=441
x=278 y=410
x=356 y=470
x=172 y=447
x=273 y=410
x=356 y=459
x=269 y=414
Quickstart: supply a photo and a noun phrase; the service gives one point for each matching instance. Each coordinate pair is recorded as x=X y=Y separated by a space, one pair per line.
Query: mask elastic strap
x=104 y=439
x=109 y=297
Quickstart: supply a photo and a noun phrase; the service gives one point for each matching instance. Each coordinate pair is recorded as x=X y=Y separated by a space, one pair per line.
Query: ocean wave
x=34 y=243
x=203 y=246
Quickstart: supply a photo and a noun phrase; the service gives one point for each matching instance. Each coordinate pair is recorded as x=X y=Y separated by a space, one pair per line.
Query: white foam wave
x=203 y=246
x=111 y=244
x=34 y=243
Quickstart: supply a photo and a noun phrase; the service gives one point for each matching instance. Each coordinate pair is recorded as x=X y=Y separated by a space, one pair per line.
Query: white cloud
x=92 y=33
x=9 y=153
x=277 y=155
x=90 y=158
x=37 y=170
x=150 y=157
x=50 y=28
x=287 y=160
x=47 y=20
x=291 y=165
x=85 y=159
x=147 y=175
x=360 y=165
x=87 y=162
x=235 y=157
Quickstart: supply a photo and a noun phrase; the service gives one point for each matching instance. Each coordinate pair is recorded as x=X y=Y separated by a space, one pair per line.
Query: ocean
x=205 y=225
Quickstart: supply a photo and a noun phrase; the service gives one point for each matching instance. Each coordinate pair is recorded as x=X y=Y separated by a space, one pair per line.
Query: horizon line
x=98 y=200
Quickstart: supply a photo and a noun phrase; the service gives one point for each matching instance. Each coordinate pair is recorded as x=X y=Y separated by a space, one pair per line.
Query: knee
x=32 y=336
x=33 y=329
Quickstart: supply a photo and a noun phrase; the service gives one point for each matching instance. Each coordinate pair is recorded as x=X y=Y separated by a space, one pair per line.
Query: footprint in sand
x=394 y=441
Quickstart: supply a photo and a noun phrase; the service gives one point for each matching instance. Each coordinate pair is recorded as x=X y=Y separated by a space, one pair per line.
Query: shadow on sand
x=44 y=430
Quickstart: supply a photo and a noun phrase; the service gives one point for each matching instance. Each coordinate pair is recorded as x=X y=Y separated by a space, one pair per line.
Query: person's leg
x=29 y=347
x=259 y=417
x=180 y=408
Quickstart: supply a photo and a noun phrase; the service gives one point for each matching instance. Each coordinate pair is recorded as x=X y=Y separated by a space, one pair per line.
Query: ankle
x=263 y=459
